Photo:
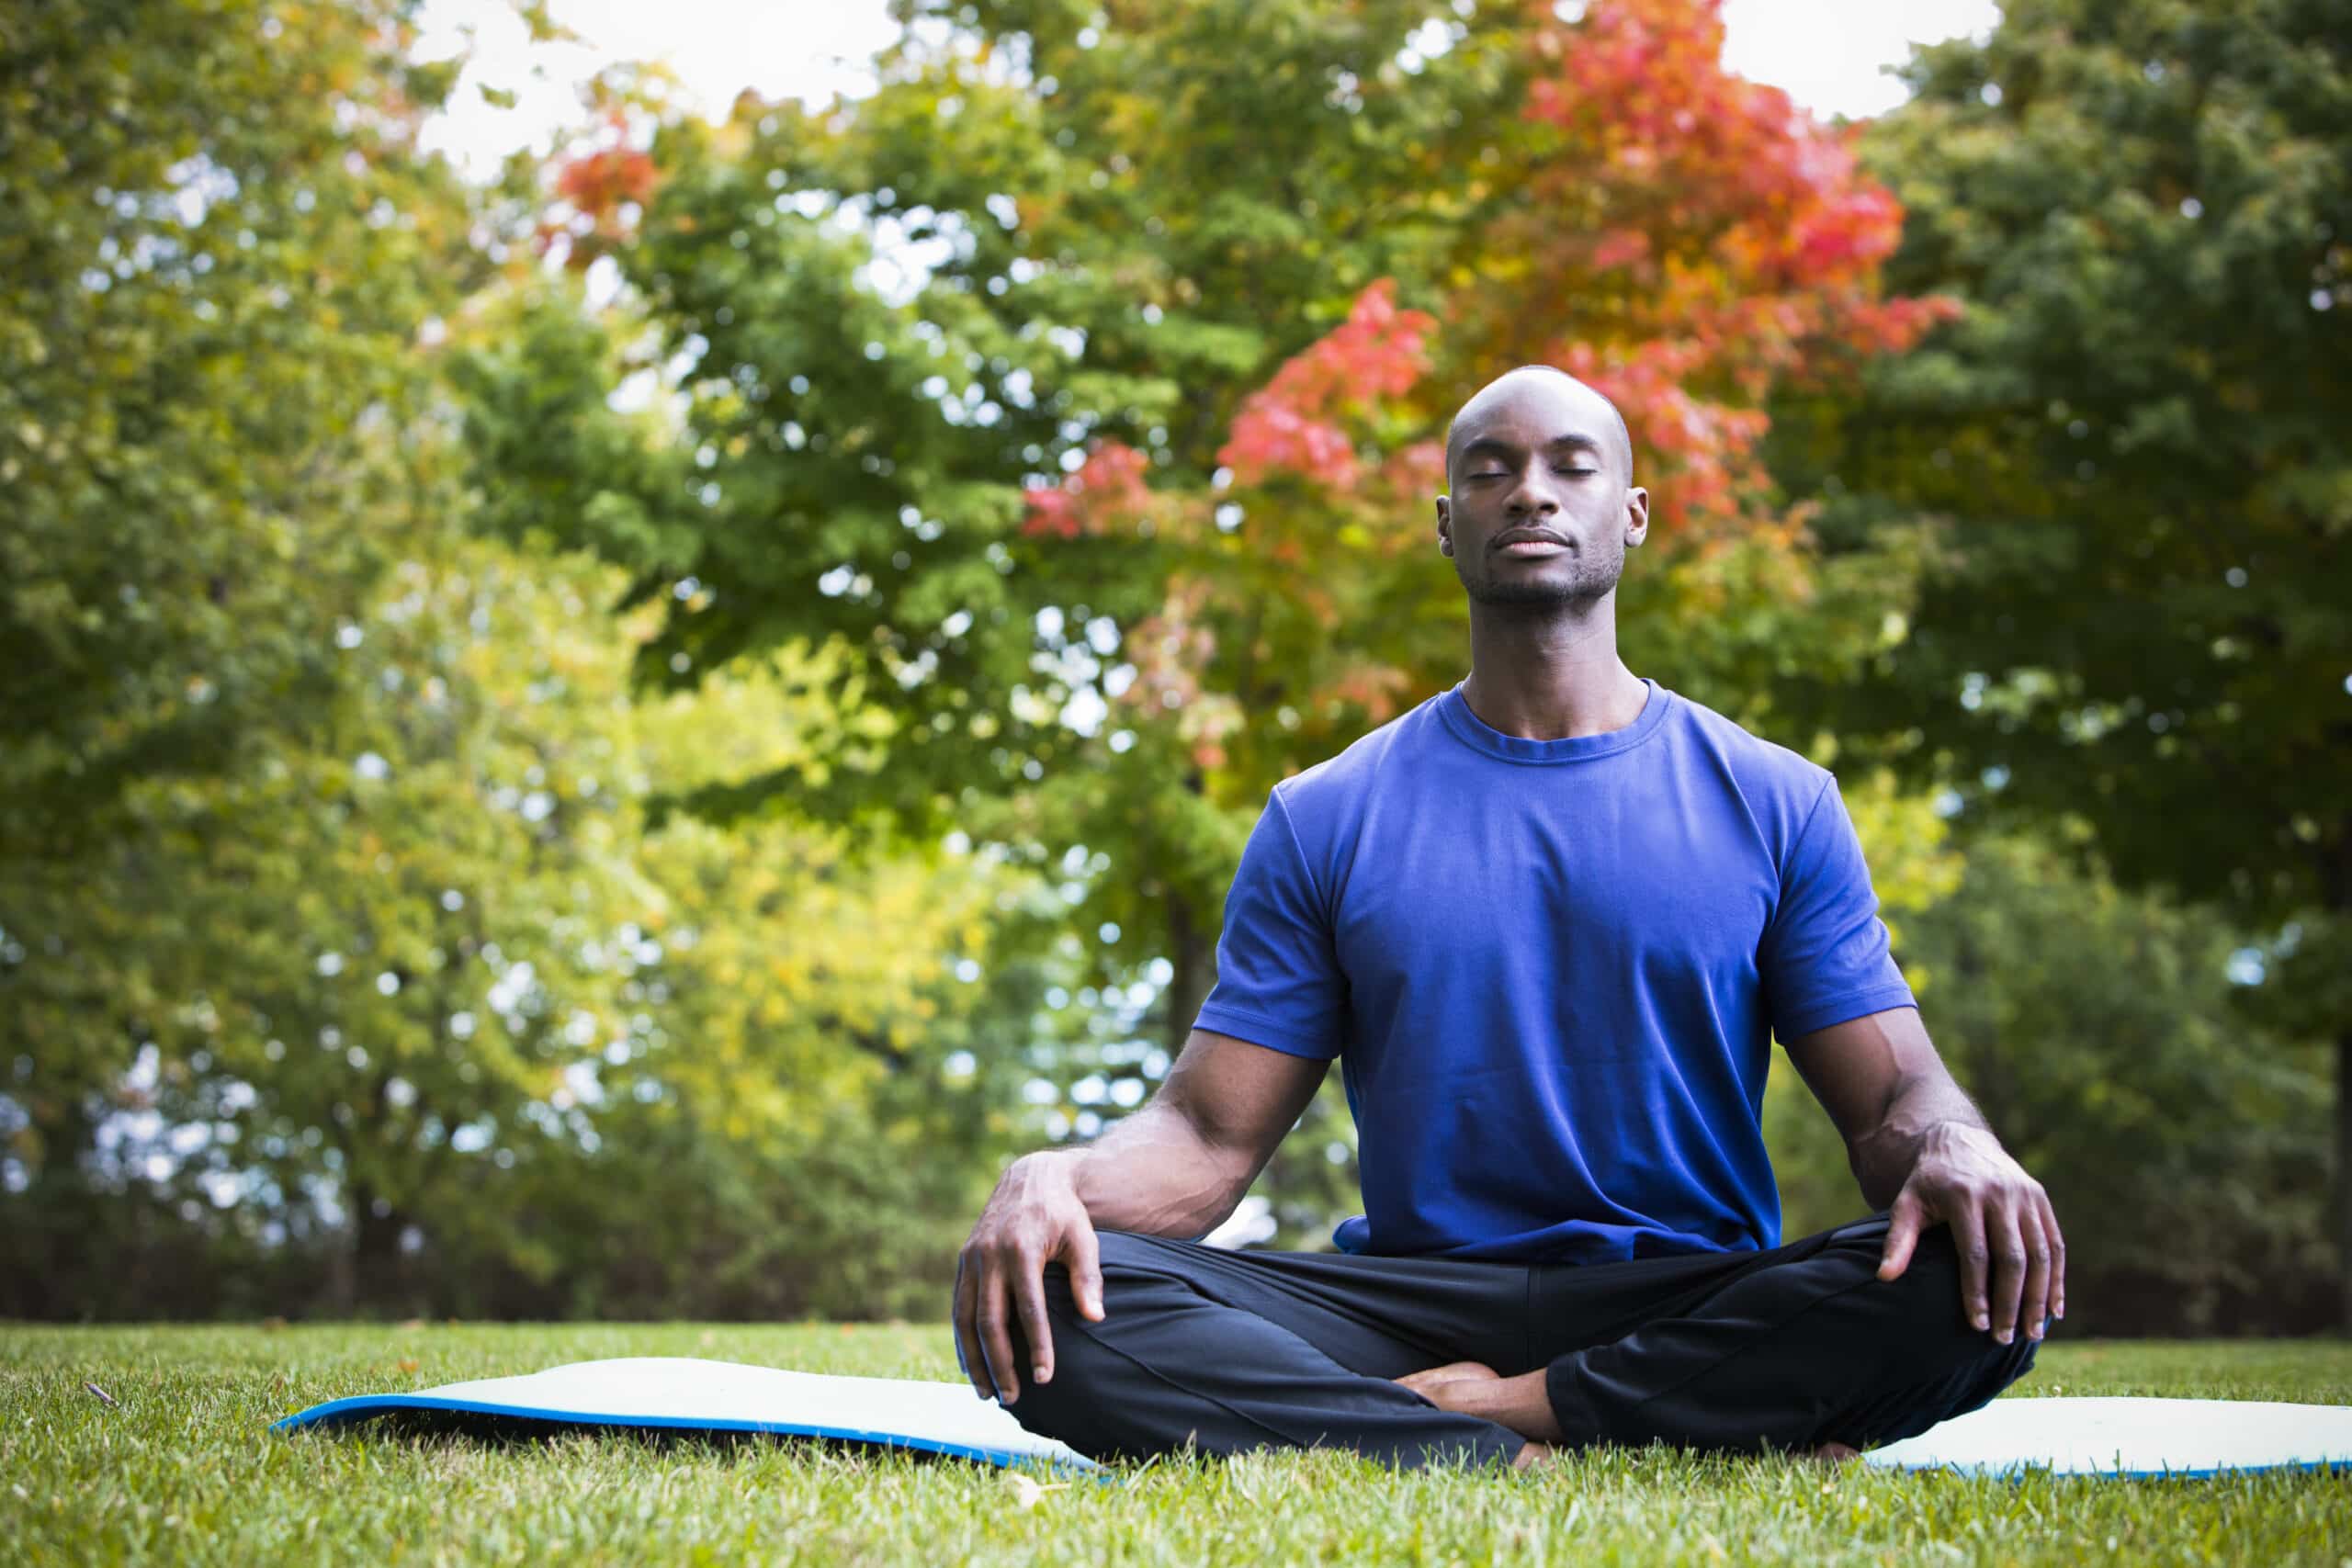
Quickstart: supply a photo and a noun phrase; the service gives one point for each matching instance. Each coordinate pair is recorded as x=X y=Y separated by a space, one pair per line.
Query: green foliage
x=180 y=1466
x=2183 y=1148
x=435 y=982
x=216 y=253
x=2129 y=446
x=349 y=958
x=2120 y=477
x=979 y=496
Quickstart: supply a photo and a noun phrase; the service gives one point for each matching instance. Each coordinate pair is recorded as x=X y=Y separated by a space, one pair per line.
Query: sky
x=1829 y=55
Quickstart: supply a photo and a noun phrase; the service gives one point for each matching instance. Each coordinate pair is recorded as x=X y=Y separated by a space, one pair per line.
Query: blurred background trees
x=525 y=799
x=2127 y=457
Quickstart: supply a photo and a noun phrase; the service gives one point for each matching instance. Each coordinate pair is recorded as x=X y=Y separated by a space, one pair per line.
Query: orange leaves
x=600 y=186
x=598 y=183
x=1292 y=423
x=598 y=194
x=1728 y=240
x=1170 y=650
x=1107 y=490
x=1380 y=690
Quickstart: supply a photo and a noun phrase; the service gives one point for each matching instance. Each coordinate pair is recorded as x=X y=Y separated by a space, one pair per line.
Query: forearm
x=1153 y=1173
x=1922 y=1108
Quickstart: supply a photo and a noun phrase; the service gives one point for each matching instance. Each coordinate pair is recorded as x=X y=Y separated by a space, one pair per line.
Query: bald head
x=1543 y=385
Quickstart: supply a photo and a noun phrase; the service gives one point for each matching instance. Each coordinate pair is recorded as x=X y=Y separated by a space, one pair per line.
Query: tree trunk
x=1194 y=959
x=2335 y=938
x=2344 y=1176
x=376 y=1250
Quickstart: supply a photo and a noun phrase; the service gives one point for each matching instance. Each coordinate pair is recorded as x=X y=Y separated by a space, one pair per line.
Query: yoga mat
x=2065 y=1436
x=691 y=1395
x=2128 y=1437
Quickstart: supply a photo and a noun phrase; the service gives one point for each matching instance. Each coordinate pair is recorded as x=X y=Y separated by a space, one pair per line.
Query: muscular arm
x=1883 y=1083
x=1921 y=1149
x=1176 y=1168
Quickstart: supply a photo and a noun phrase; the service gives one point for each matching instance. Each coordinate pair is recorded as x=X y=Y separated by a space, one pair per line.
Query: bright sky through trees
x=1830 y=55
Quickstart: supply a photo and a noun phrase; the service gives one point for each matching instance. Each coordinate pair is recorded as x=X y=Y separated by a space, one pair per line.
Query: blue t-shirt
x=1551 y=971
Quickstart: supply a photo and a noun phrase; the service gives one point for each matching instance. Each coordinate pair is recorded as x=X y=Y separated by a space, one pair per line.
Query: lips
x=1529 y=541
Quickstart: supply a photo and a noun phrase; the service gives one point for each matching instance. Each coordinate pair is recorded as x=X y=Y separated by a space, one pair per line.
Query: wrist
x=1051 y=1170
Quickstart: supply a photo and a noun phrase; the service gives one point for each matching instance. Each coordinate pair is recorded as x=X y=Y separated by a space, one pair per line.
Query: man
x=1547 y=922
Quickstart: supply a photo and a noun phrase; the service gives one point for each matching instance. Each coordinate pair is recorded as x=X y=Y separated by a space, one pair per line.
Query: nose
x=1533 y=495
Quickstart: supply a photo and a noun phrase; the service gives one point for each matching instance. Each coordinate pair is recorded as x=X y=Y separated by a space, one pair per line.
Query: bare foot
x=1829 y=1453
x=1534 y=1452
x=1425 y=1384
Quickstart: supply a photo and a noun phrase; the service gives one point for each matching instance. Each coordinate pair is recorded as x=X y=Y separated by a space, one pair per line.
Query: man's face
x=1541 y=513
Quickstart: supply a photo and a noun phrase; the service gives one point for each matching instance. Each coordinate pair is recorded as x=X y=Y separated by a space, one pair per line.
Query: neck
x=1552 y=674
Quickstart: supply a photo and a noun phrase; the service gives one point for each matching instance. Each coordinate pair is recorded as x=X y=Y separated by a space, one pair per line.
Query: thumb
x=1086 y=1272
x=1903 y=1225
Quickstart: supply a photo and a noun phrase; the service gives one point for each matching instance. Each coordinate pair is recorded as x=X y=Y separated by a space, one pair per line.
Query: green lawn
x=180 y=1467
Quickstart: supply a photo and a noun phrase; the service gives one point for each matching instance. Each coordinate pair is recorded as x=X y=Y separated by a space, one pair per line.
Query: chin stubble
x=1585 y=584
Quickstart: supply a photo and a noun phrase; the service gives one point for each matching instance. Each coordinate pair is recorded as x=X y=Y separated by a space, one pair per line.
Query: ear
x=1444 y=525
x=1637 y=516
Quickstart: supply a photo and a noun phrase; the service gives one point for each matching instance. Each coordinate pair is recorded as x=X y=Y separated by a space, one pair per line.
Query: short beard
x=1586 y=586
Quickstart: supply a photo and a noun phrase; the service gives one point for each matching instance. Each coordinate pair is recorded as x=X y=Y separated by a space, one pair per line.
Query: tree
x=220 y=247
x=2128 y=457
x=425 y=1003
x=328 y=897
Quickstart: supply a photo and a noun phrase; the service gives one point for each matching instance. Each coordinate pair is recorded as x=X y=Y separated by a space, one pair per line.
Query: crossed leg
x=1796 y=1349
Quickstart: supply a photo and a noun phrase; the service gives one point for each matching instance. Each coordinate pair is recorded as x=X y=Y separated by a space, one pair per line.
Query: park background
x=606 y=733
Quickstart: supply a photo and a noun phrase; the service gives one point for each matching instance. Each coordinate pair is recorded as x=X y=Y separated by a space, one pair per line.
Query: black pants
x=1227 y=1351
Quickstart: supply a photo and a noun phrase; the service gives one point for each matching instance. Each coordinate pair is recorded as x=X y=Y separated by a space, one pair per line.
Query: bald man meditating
x=1548 y=923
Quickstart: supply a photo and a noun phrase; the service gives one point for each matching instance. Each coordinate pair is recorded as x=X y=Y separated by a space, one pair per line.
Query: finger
x=1968 y=1239
x=2033 y=1301
x=968 y=1339
x=1086 y=1272
x=2007 y=1247
x=2057 y=1240
x=1029 y=1289
x=994 y=1340
x=1904 y=1223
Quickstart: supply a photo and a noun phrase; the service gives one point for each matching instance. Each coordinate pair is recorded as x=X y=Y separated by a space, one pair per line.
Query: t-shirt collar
x=1476 y=733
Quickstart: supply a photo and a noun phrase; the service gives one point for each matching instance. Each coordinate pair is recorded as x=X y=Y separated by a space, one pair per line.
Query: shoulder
x=1779 y=787
x=1767 y=763
x=1337 y=787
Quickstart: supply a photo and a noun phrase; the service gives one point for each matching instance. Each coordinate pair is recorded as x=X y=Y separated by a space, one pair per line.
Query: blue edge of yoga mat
x=952 y=1415
x=343 y=1412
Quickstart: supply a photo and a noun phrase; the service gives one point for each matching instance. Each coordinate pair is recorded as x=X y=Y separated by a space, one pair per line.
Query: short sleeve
x=1825 y=955
x=1278 y=977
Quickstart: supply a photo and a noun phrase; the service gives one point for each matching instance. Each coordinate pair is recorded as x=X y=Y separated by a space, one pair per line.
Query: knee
x=1070 y=1407
x=1931 y=1285
x=1937 y=1364
x=1935 y=1318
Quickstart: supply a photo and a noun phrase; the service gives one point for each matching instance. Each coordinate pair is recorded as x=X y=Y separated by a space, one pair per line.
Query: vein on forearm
x=1154 y=1174
x=1916 y=1104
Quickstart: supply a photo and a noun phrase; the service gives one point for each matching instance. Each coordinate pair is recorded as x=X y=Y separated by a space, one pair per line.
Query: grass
x=181 y=1467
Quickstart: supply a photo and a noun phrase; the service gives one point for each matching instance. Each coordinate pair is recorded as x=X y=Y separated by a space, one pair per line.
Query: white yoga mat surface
x=2128 y=1437
x=2066 y=1437
x=691 y=1395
